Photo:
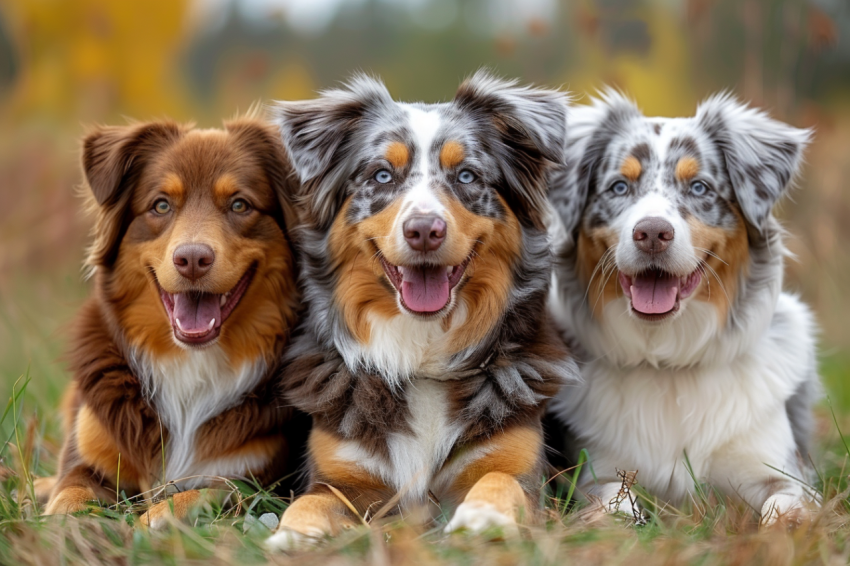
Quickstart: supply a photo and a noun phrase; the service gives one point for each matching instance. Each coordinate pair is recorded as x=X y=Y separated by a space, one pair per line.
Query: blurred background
x=66 y=64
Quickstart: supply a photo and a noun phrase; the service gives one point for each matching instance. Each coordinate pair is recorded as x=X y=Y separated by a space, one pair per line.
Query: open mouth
x=196 y=317
x=425 y=289
x=656 y=294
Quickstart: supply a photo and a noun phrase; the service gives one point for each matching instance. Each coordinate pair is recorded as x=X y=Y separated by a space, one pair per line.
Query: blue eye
x=698 y=188
x=383 y=176
x=620 y=188
x=466 y=176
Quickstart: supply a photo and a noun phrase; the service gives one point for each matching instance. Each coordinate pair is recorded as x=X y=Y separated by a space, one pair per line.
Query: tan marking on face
x=361 y=289
x=172 y=185
x=631 y=168
x=225 y=187
x=451 y=155
x=602 y=282
x=489 y=275
x=719 y=285
x=515 y=452
x=397 y=154
x=267 y=309
x=687 y=169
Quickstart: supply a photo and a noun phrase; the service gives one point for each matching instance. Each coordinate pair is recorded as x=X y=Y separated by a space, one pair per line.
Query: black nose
x=193 y=260
x=653 y=235
x=424 y=233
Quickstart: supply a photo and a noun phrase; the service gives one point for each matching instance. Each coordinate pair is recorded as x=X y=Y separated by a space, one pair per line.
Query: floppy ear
x=319 y=137
x=113 y=157
x=530 y=134
x=763 y=156
x=591 y=129
x=261 y=140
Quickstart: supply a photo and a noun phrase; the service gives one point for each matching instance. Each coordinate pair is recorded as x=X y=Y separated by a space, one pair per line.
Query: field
x=42 y=285
x=64 y=65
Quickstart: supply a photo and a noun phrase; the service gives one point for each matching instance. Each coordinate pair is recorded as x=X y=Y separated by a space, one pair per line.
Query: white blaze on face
x=421 y=198
x=653 y=205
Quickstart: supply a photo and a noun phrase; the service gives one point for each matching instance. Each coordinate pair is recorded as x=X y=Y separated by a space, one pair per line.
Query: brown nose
x=424 y=233
x=193 y=260
x=653 y=235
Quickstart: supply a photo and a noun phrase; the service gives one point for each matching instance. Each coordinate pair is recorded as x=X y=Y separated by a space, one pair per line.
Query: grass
x=706 y=531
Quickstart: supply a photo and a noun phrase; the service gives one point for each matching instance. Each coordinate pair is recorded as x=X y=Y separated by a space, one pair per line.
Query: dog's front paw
x=158 y=516
x=477 y=517
x=786 y=510
x=70 y=500
x=290 y=540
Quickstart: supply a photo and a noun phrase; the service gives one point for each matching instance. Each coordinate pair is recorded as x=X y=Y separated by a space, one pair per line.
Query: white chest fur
x=186 y=393
x=646 y=418
x=415 y=457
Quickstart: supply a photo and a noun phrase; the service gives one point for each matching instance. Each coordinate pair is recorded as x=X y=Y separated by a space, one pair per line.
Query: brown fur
x=719 y=284
x=603 y=285
x=397 y=154
x=687 y=168
x=631 y=168
x=127 y=169
x=452 y=154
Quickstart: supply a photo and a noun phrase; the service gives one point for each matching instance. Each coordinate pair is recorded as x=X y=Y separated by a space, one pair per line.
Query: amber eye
x=161 y=206
x=239 y=206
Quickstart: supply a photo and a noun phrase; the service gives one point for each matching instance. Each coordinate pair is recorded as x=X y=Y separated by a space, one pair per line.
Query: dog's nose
x=193 y=260
x=653 y=235
x=424 y=233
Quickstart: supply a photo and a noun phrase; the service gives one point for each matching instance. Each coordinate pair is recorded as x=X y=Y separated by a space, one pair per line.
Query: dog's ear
x=261 y=140
x=763 y=155
x=320 y=136
x=113 y=157
x=591 y=129
x=529 y=135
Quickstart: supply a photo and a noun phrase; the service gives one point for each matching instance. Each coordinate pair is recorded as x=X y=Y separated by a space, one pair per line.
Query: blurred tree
x=95 y=59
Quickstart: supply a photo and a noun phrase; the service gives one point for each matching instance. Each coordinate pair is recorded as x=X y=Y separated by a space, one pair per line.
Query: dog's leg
x=491 y=486
x=74 y=490
x=496 y=501
x=43 y=488
x=179 y=506
x=749 y=468
x=309 y=518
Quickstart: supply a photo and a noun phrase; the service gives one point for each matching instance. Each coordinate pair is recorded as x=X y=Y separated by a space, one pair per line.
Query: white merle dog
x=669 y=286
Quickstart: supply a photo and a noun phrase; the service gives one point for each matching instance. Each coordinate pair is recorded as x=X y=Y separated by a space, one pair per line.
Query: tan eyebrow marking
x=687 y=169
x=451 y=154
x=225 y=186
x=397 y=154
x=631 y=168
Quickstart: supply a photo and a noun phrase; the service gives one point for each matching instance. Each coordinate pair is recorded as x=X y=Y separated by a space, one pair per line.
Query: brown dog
x=174 y=354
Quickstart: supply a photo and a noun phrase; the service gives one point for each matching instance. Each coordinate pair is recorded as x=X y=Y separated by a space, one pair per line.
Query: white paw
x=791 y=509
x=288 y=540
x=479 y=517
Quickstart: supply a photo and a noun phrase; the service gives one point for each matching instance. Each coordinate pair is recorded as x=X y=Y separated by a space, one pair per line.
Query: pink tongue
x=425 y=289
x=654 y=293
x=195 y=311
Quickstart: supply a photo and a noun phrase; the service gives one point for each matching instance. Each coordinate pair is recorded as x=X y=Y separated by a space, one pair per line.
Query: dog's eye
x=466 y=176
x=620 y=188
x=698 y=188
x=383 y=176
x=239 y=206
x=161 y=206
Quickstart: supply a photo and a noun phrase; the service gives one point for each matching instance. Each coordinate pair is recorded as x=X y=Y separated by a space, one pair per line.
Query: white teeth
x=223 y=300
x=400 y=270
x=212 y=323
x=180 y=326
x=449 y=270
